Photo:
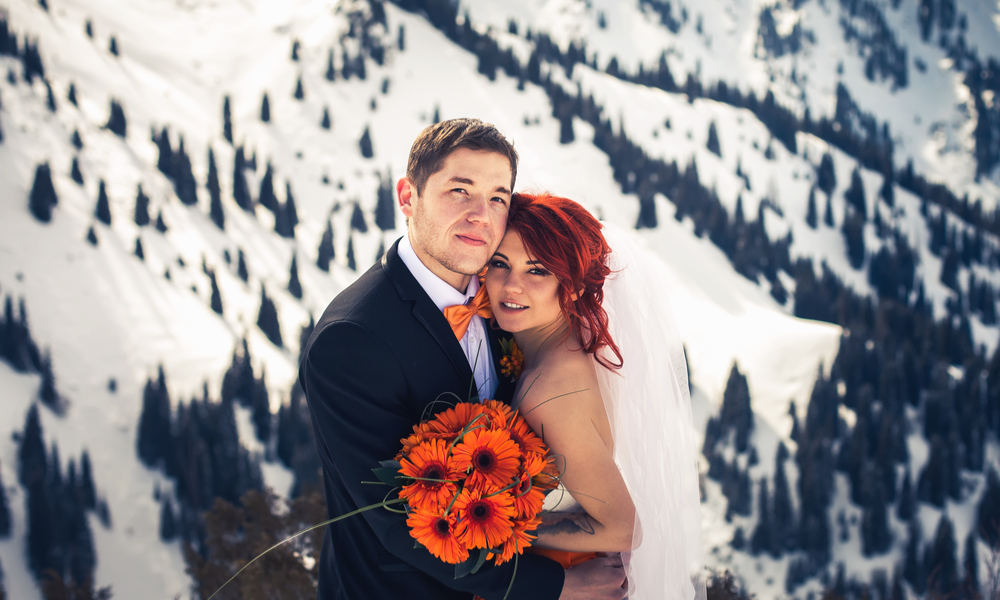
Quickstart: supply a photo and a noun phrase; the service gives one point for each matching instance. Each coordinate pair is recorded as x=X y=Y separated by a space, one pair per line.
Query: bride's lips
x=471 y=240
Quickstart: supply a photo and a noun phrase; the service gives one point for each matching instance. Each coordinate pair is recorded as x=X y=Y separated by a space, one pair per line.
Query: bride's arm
x=572 y=427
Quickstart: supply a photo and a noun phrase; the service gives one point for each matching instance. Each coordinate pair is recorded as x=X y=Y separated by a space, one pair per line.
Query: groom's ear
x=405 y=193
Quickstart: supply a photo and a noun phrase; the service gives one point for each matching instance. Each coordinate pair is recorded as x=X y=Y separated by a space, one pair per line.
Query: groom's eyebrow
x=467 y=181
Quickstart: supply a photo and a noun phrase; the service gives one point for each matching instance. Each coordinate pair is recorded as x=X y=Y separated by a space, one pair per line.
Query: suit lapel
x=424 y=310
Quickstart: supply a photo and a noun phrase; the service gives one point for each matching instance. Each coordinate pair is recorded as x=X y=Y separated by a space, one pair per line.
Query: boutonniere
x=512 y=361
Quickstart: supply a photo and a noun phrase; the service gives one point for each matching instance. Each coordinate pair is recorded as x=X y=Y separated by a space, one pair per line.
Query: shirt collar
x=441 y=293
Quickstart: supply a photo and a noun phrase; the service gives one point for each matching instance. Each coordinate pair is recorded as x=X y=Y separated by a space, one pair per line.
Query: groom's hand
x=602 y=578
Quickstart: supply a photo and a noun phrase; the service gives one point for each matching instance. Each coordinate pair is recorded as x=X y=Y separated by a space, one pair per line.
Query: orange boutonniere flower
x=512 y=361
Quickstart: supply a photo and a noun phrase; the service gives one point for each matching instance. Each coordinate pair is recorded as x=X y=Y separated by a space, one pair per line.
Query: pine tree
x=855 y=194
x=260 y=405
x=215 y=193
x=294 y=287
x=185 y=184
x=91 y=236
x=331 y=73
x=265 y=109
x=71 y=96
x=216 y=301
x=358 y=222
x=401 y=39
x=326 y=252
x=43 y=195
x=887 y=192
x=811 y=213
x=153 y=432
x=88 y=492
x=266 y=197
x=828 y=212
x=784 y=511
x=74 y=171
x=103 y=209
x=365 y=143
x=50 y=98
x=141 y=213
x=876 y=537
x=32 y=463
x=566 y=134
x=713 y=140
x=945 y=569
x=139 y=252
x=913 y=568
x=762 y=538
x=295 y=50
x=970 y=563
x=988 y=514
x=5 y=520
x=227 y=121
x=853 y=230
x=736 y=411
x=385 y=208
x=161 y=225
x=267 y=319
x=351 y=263
x=291 y=213
x=241 y=192
x=325 y=123
x=907 y=501
x=168 y=522
x=300 y=94
x=47 y=392
x=165 y=159
x=116 y=120
x=113 y=46
x=76 y=140
x=826 y=178
x=241 y=266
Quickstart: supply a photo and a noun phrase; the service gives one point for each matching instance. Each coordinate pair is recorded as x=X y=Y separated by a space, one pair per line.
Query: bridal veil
x=655 y=445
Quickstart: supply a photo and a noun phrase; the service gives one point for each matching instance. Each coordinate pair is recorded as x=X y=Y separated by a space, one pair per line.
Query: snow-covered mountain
x=617 y=104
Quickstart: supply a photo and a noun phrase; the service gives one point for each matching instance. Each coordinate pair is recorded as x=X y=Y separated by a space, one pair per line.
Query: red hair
x=568 y=241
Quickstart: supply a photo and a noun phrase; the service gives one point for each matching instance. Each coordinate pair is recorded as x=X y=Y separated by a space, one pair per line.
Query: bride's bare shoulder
x=565 y=379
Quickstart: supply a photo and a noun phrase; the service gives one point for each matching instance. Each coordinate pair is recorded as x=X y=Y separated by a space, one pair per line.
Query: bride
x=605 y=384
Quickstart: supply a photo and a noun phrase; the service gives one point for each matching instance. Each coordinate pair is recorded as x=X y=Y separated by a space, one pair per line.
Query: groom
x=383 y=350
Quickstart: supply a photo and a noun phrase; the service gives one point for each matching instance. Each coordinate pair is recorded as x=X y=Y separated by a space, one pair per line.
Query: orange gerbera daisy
x=518 y=540
x=498 y=412
x=429 y=461
x=528 y=498
x=484 y=521
x=436 y=532
x=453 y=420
x=526 y=439
x=420 y=433
x=492 y=456
x=548 y=479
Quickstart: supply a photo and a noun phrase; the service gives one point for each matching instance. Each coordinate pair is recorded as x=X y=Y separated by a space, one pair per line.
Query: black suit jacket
x=380 y=353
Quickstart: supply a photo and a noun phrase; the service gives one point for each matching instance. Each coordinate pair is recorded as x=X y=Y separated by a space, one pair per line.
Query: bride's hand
x=602 y=578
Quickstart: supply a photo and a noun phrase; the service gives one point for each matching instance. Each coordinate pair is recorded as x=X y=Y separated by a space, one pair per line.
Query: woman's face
x=524 y=295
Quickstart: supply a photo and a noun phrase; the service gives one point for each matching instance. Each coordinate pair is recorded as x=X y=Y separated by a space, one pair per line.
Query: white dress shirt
x=443 y=295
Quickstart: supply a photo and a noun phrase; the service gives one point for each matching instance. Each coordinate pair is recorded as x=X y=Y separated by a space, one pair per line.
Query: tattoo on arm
x=565 y=523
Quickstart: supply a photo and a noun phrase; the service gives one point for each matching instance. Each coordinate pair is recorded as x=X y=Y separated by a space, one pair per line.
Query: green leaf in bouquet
x=473 y=564
x=388 y=475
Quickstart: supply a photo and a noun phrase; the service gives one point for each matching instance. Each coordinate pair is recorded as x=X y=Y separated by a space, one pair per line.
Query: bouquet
x=472 y=478
x=471 y=483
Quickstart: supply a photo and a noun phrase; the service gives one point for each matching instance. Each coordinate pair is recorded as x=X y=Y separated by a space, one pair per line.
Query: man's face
x=457 y=223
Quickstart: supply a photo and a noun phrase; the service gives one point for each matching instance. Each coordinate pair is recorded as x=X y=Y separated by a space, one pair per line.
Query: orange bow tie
x=460 y=315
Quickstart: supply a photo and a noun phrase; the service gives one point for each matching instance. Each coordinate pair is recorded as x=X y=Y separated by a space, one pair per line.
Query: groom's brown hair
x=436 y=142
